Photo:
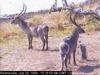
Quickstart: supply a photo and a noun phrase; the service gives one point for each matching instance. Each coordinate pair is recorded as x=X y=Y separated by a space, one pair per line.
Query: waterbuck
x=40 y=31
x=69 y=44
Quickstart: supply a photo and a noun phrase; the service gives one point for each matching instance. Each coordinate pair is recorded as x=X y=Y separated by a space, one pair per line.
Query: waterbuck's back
x=40 y=30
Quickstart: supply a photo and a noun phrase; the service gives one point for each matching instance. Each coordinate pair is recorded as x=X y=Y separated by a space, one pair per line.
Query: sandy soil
x=16 y=56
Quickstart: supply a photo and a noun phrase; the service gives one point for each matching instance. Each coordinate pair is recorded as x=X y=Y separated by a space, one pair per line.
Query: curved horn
x=24 y=9
x=73 y=20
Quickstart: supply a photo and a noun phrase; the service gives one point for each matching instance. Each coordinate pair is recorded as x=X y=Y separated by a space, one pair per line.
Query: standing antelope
x=69 y=44
x=40 y=31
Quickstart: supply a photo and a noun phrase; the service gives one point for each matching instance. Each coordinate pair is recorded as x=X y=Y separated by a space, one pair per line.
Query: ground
x=14 y=56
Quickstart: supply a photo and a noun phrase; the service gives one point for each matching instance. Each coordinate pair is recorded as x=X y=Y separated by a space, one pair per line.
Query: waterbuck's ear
x=80 y=29
x=12 y=18
x=81 y=25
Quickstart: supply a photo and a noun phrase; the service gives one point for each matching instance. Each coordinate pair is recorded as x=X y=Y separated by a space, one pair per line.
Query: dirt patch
x=16 y=57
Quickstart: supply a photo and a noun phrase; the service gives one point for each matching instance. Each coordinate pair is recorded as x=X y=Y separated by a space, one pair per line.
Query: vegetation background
x=13 y=42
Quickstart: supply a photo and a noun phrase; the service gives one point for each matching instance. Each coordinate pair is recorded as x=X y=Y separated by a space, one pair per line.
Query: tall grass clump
x=8 y=31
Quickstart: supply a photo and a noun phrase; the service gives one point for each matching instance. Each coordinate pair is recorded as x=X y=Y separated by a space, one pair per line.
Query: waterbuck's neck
x=23 y=25
x=75 y=35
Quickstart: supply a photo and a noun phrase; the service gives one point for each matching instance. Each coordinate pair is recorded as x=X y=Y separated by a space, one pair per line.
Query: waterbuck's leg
x=69 y=59
x=30 y=42
x=63 y=62
x=66 y=59
x=74 y=57
x=46 y=41
x=43 y=41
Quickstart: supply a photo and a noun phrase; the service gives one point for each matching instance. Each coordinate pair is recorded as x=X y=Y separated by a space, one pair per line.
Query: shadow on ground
x=88 y=68
x=50 y=50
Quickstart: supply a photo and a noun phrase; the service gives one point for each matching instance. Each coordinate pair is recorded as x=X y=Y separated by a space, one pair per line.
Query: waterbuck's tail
x=64 y=49
x=46 y=30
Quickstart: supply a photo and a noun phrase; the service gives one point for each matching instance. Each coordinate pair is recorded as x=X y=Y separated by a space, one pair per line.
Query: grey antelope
x=69 y=44
x=40 y=31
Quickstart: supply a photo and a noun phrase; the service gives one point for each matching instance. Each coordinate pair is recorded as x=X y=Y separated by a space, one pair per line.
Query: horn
x=23 y=10
x=73 y=20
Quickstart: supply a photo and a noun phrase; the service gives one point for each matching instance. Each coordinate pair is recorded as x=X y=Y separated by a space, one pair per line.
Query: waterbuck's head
x=80 y=29
x=78 y=26
x=17 y=19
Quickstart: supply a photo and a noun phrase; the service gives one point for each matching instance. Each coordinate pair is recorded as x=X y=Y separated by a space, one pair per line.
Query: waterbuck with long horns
x=40 y=31
x=69 y=44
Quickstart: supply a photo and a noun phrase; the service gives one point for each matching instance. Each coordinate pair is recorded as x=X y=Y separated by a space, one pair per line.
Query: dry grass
x=54 y=20
x=8 y=32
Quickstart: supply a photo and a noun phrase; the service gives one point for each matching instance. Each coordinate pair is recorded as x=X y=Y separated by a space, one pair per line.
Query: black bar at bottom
x=35 y=72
